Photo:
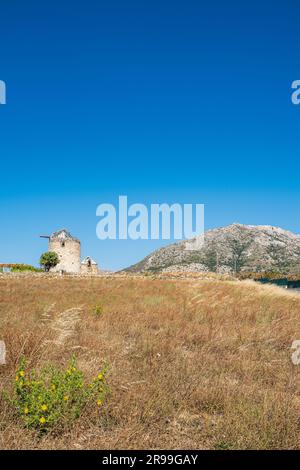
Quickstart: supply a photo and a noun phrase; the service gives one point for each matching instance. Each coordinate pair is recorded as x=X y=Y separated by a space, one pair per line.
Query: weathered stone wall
x=86 y=269
x=68 y=251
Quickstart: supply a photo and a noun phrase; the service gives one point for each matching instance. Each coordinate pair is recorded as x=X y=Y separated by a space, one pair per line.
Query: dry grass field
x=193 y=363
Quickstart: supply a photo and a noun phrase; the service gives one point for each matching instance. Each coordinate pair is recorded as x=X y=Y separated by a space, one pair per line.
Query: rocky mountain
x=230 y=249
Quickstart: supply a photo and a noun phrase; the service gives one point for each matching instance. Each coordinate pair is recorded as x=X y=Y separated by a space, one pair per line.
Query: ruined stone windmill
x=67 y=248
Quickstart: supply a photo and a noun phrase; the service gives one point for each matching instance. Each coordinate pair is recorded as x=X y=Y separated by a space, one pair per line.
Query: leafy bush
x=49 y=260
x=54 y=397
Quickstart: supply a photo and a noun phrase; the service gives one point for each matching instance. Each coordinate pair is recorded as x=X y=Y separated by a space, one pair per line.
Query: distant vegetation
x=271 y=275
x=20 y=267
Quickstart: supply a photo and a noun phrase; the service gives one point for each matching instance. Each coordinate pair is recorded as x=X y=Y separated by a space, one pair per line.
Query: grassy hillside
x=192 y=363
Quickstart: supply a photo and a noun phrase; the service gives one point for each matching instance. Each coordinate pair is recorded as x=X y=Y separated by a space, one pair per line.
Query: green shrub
x=54 y=397
x=49 y=260
x=98 y=310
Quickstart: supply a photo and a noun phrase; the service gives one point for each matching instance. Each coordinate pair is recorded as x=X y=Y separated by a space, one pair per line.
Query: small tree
x=48 y=260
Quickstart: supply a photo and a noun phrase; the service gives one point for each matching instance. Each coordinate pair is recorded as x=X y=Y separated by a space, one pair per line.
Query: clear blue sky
x=161 y=101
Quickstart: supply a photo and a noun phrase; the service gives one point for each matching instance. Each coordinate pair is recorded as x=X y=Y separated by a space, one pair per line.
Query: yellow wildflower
x=99 y=402
x=44 y=407
x=21 y=373
x=42 y=420
x=26 y=411
x=17 y=378
x=100 y=376
x=69 y=372
x=66 y=398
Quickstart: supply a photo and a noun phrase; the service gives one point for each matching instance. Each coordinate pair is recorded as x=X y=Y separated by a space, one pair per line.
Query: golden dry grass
x=200 y=364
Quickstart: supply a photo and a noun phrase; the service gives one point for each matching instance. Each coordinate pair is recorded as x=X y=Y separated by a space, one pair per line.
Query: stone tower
x=68 y=249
